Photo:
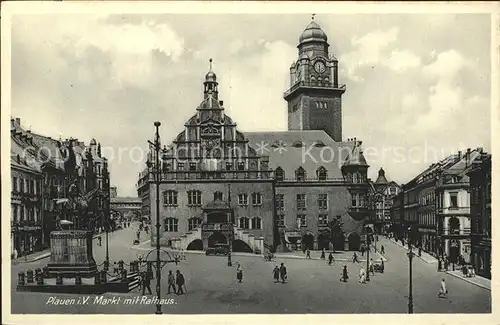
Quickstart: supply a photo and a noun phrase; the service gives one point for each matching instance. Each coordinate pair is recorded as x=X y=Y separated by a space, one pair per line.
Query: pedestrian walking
x=138 y=234
x=115 y=268
x=344 y=274
x=362 y=250
x=322 y=254
x=371 y=269
x=443 y=291
x=276 y=274
x=146 y=283
x=308 y=254
x=382 y=250
x=362 y=275
x=330 y=258
x=179 y=280
x=283 y=274
x=15 y=254
x=239 y=273
x=171 y=282
x=99 y=241
x=355 y=258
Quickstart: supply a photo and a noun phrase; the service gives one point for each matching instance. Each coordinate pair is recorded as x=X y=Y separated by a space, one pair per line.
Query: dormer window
x=280 y=174
x=300 y=174
x=319 y=144
x=321 y=174
x=298 y=144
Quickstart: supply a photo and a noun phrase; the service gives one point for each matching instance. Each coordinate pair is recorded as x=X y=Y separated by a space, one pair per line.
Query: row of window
x=250 y=223
x=193 y=166
x=22 y=213
x=320 y=104
x=427 y=199
x=170 y=198
x=301 y=201
x=302 y=220
x=300 y=174
x=21 y=185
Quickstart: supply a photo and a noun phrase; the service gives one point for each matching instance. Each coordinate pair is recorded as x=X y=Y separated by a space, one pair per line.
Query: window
x=355 y=178
x=229 y=166
x=256 y=199
x=256 y=223
x=453 y=200
x=21 y=216
x=323 y=220
x=280 y=220
x=243 y=199
x=21 y=185
x=170 y=198
x=218 y=196
x=321 y=174
x=300 y=174
x=171 y=225
x=192 y=166
x=454 y=226
x=194 y=198
x=280 y=174
x=180 y=166
x=280 y=202
x=355 y=200
x=193 y=223
x=241 y=165
x=14 y=184
x=301 y=201
x=301 y=220
x=244 y=223
x=14 y=212
x=323 y=201
x=392 y=190
x=297 y=144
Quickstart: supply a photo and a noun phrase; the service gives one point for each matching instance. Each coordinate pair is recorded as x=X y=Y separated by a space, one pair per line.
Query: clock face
x=319 y=66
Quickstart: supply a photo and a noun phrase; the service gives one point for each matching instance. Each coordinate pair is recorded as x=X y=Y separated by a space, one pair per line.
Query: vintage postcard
x=288 y=159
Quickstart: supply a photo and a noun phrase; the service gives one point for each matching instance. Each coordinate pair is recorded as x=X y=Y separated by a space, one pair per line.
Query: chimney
x=467 y=158
x=221 y=102
x=18 y=121
x=459 y=155
x=480 y=149
x=12 y=122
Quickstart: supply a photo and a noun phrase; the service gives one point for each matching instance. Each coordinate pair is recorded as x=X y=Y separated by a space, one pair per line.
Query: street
x=312 y=286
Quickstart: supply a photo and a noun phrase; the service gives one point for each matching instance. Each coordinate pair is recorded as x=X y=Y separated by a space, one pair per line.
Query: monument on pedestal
x=71 y=249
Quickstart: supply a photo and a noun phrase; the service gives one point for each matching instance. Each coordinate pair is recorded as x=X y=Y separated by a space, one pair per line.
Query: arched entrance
x=323 y=241
x=354 y=241
x=195 y=245
x=339 y=242
x=308 y=241
x=216 y=238
x=241 y=246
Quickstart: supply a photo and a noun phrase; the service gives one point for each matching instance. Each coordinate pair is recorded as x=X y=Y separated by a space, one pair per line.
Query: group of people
x=177 y=283
x=280 y=273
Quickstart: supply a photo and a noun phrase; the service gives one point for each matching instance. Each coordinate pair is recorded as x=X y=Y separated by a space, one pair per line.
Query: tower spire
x=210 y=64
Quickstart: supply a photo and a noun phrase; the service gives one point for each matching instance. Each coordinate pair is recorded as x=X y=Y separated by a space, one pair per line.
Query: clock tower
x=315 y=95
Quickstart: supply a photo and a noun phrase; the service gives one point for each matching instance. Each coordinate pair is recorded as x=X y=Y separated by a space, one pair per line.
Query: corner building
x=256 y=190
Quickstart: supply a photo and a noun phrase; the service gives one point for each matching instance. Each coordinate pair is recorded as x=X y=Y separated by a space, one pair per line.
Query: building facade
x=480 y=211
x=382 y=193
x=264 y=189
x=60 y=163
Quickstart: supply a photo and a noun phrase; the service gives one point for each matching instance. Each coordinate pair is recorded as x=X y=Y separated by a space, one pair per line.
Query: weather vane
x=313 y=16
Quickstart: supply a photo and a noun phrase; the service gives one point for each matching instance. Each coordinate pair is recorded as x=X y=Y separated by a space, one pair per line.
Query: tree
x=334 y=231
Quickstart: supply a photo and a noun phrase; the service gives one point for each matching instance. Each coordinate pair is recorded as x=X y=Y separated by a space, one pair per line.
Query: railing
x=315 y=180
x=216 y=226
x=457 y=232
x=328 y=85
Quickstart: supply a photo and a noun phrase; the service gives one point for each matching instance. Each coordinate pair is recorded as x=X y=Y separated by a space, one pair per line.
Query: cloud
x=400 y=61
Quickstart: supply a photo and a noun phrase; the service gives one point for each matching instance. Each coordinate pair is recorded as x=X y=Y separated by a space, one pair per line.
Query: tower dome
x=210 y=76
x=313 y=33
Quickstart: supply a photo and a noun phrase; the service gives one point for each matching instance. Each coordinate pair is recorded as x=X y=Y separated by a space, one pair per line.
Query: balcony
x=216 y=227
x=456 y=232
x=308 y=84
x=26 y=225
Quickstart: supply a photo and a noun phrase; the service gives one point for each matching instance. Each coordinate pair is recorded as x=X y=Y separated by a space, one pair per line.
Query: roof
x=356 y=157
x=313 y=32
x=310 y=149
x=381 y=179
x=126 y=199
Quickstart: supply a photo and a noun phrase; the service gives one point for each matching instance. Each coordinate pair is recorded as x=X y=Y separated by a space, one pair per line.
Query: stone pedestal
x=71 y=253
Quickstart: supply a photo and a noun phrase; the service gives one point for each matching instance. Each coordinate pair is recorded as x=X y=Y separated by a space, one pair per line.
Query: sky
x=418 y=85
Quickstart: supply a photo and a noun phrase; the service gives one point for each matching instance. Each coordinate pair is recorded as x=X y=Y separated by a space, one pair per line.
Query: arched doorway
x=195 y=245
x=241 y=246
x=308 y=241
x=339 y=242
x=323 y=241
x=354 y=241
x=216 y=238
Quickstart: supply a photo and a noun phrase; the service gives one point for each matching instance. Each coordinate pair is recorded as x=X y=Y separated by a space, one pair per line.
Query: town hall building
x=264 y=190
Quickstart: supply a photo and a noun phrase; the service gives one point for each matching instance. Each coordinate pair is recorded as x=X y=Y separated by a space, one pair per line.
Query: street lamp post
x=367 y=228
x=410 y=287
x=231 y=233
x=157 y=175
